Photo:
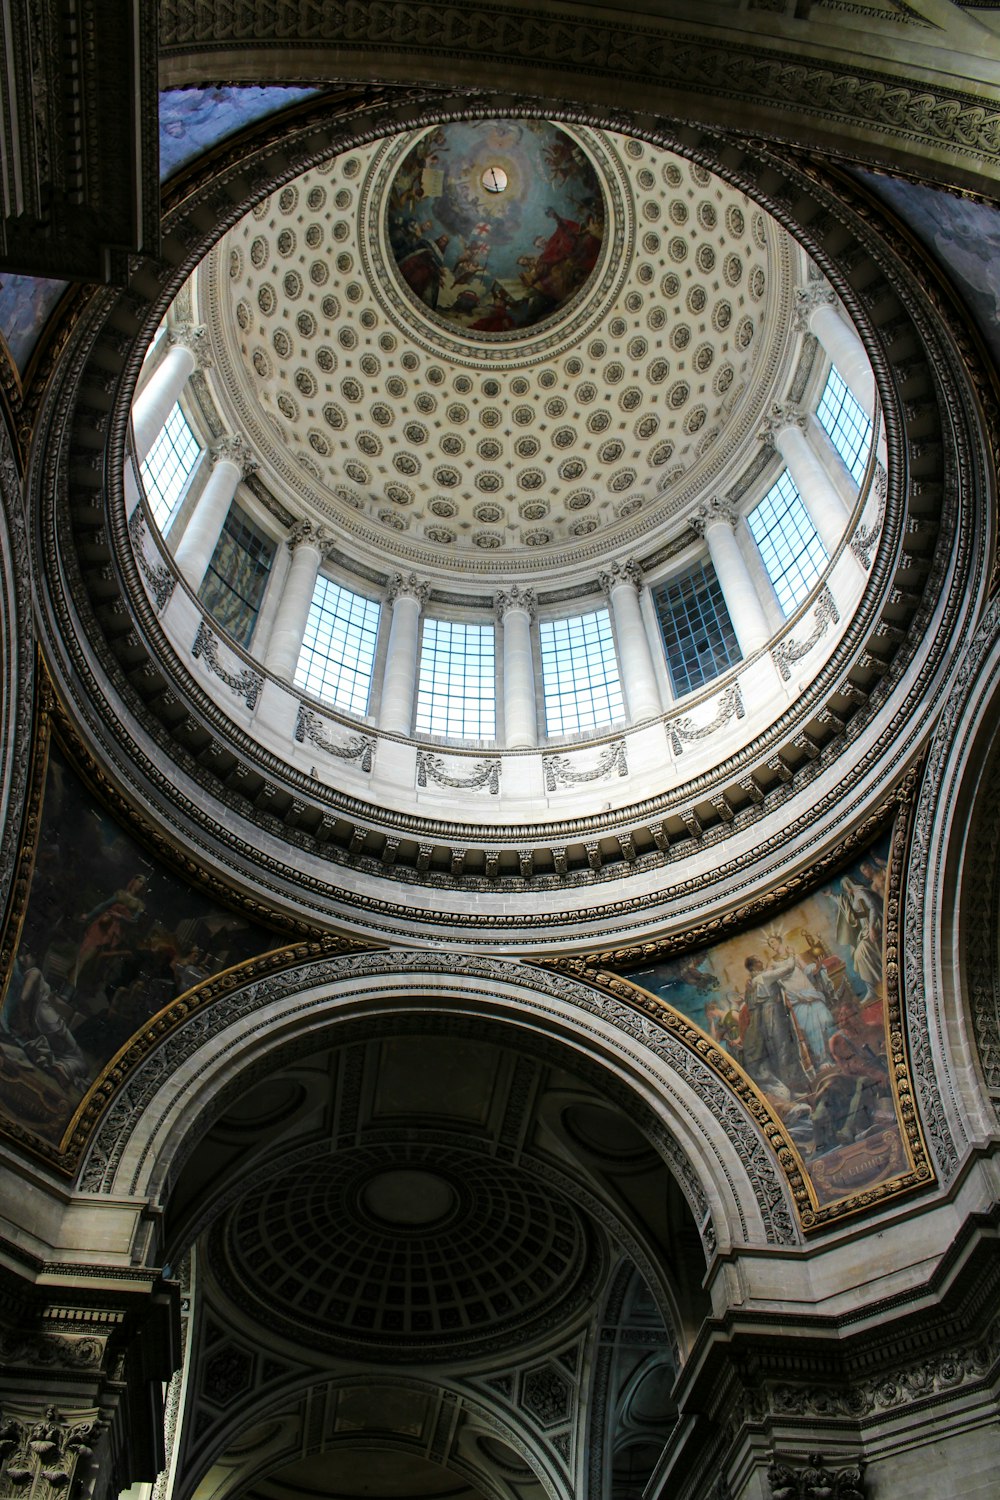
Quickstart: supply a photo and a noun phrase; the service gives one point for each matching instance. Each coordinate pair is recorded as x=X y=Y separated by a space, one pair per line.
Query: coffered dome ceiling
x=569 y=362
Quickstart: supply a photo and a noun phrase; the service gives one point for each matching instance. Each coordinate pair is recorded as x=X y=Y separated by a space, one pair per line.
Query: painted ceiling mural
x=801 y=1005
x=495 y=225
x=109 y=937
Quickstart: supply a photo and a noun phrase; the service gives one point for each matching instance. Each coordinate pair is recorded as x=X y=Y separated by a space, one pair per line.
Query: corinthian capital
x=816 y=294
x=714 y=512
x=514 y=597
x=626 y=570
x=305 y=533
x=235 y=450
x=193 y=336
x=782 y=414
x=407 y=586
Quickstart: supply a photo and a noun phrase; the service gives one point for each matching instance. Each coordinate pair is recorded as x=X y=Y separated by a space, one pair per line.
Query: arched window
x=338 y=649
x=580 y=683
x=168 y=466
x=456 y=692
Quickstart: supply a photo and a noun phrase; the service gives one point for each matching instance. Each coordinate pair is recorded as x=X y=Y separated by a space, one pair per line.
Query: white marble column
x=622 y=582
x=231 y=461
x=162 y=391
x=716 y=521
x=307 y=544
x=515 y=609
x=786 y=428
x=399 y=681
x=818 y=310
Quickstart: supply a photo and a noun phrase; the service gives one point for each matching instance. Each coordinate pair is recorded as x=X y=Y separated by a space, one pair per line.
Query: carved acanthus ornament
x=813 y=1480
x=781 y=415
x=39 y=1459
x=816 y=294
x=304 y=533
x=193 y=336
x=627 y=571
x=714 y=512
x=513 y=598
x=235 y=450
x=407 y=586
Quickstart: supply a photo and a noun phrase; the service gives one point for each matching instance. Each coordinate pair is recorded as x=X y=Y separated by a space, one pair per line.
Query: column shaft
x=400 y=678
x=638 y=675
x=819 y=493
x=154 y=405
x=293 y=611
x=840 y=340
x=519 y=717
x=196 y=546
x=737 y=585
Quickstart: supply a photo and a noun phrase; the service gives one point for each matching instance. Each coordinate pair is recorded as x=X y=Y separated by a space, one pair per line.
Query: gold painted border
x=899 y=806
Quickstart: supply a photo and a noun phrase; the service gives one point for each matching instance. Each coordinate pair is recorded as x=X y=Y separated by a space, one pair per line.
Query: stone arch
x=711 y=1144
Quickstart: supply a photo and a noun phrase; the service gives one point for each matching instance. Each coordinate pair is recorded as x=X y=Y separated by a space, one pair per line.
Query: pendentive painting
x=800 y=1003
x=109 y=937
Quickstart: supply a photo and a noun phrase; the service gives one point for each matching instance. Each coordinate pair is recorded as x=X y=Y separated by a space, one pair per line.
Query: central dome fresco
x=495 y=225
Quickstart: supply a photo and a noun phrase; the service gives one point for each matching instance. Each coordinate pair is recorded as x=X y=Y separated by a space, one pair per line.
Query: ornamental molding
x=786 y=652
x=159 y=577
x=560 y=770
x=729 y=706
x=865 y=539
x=245 y=683
x=359 y=747
x=483 y=775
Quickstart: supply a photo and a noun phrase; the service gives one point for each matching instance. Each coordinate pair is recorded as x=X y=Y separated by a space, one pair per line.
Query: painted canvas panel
x=109 y=937
x=800 y=1004
x=193 y=120
x=26 y=304
x=495 y=224
x=964 y=235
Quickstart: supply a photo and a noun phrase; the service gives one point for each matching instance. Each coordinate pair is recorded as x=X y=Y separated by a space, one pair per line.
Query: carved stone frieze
x=561 y=770
x=159 y=576
x=246 y=683
x=482 y=774
x=787 y=651
x=729 y=706
x=309 y=729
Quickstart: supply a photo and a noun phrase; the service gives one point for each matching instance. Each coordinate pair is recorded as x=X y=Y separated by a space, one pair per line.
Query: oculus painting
x=495 y=225
x=109 y=937
x=800 y=1005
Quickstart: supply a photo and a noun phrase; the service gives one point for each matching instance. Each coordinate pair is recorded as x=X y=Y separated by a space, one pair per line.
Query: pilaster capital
x=514 y=597
x=714 y=512
x=624 y=570
x=783 y=414
x=815 y=1478
x=807 y=299
x=193 y=336
x=407 y=586
x=235 y=450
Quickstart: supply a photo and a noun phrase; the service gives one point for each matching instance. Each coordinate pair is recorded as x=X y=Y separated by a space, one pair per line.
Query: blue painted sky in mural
x=26 y=303
x=965 y=237
x=192 y=120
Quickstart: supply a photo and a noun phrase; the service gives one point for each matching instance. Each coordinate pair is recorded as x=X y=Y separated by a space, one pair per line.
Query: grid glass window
x=846 y=424
x=580 y=682
x=788 y=544
x=338 y=649
x=168 y=466
x=236 y=577
x=456 y=693
x=697 y=632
